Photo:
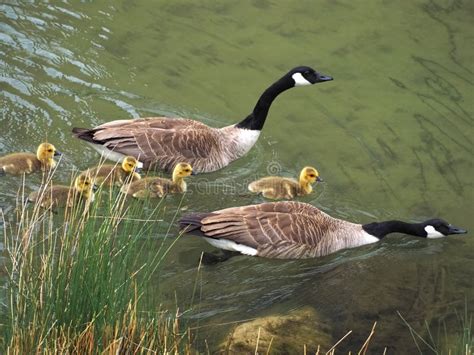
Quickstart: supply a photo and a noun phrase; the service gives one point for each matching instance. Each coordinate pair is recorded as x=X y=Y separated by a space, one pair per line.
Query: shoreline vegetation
x=78 y=281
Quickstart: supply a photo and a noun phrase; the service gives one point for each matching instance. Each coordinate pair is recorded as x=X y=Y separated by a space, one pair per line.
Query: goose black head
x=438 y=228
x=307 y=76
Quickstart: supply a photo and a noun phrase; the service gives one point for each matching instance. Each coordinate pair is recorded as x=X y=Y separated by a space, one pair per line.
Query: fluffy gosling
x=276 y=187
x=65 y=196
x=27 y=163
x=152 y=187
x=115 y=175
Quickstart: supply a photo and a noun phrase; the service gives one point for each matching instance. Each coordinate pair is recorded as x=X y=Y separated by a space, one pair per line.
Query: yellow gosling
x=115 y=175
x=27 y=163
x=152 y=187
x=65 y=196
x=276 y=187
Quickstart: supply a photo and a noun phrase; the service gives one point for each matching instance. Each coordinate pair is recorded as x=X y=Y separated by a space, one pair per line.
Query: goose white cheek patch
x=300 y=80
x=432 y=233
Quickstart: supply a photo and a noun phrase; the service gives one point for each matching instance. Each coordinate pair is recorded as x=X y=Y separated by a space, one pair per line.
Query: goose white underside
x=368 y=239
x=246 y=139
x=231 y=246
x=111 y=155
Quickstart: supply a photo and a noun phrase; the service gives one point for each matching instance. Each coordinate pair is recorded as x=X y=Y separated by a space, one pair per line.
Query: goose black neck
x=256 y=119
x=381 y=229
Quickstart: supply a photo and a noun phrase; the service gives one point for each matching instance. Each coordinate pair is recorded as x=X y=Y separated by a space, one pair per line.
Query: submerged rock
x=279 y=334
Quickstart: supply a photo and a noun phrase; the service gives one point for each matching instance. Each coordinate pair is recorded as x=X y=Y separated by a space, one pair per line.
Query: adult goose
x=161 y=142
x=295 y=230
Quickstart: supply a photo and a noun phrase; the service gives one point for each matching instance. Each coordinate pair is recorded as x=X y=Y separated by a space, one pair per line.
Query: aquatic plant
x=453 y=338
x=77 y=279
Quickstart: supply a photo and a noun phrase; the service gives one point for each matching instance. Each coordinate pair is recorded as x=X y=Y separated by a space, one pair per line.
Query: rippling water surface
x=391 y=136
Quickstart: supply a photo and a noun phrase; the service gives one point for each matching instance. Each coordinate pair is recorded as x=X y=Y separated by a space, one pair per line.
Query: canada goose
x=161 y=142
x=27 y=163
x=276 y=187
x=65 y=196
x=296 y=230
x=150 y=187
x=117 y=175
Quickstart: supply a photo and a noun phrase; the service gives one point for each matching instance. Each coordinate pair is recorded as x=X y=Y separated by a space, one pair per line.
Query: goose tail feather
x=192 y=222
x=84 y=134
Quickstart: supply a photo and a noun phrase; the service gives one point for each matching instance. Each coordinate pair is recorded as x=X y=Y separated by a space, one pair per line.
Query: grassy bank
x=77 y=280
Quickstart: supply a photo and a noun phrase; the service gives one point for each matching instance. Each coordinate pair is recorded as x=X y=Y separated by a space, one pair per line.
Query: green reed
x=77 y=278
x=445 y=337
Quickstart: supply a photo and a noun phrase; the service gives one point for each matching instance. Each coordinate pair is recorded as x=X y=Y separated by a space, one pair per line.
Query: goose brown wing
x=164 y=141
x=258 y=226
x=154 y=122
x=288 y=250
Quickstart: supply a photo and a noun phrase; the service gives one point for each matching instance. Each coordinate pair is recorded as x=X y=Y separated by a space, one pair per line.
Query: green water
x=391 y=136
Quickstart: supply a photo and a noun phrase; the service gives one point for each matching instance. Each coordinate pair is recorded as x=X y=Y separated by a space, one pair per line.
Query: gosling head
x=84 y=184
x=310 y=175
x=303 y=75
x=46 y=153
x=130 y=165
x=181 y=170
x=438 y=228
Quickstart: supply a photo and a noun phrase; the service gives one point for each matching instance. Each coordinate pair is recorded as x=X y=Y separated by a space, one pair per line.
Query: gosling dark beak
x=322 y=78
x=57 y=153
x=138 y=170
x=95 y=187
x=455 y=230
x=319 y=179
x=193 y=173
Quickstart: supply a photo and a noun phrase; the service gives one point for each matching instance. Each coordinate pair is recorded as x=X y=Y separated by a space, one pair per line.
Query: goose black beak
x=138 y=170
x=95 y=187
x=193 y=173
x=455 y=230
x=319 y=179
x=322 y=78
x=57 y=153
